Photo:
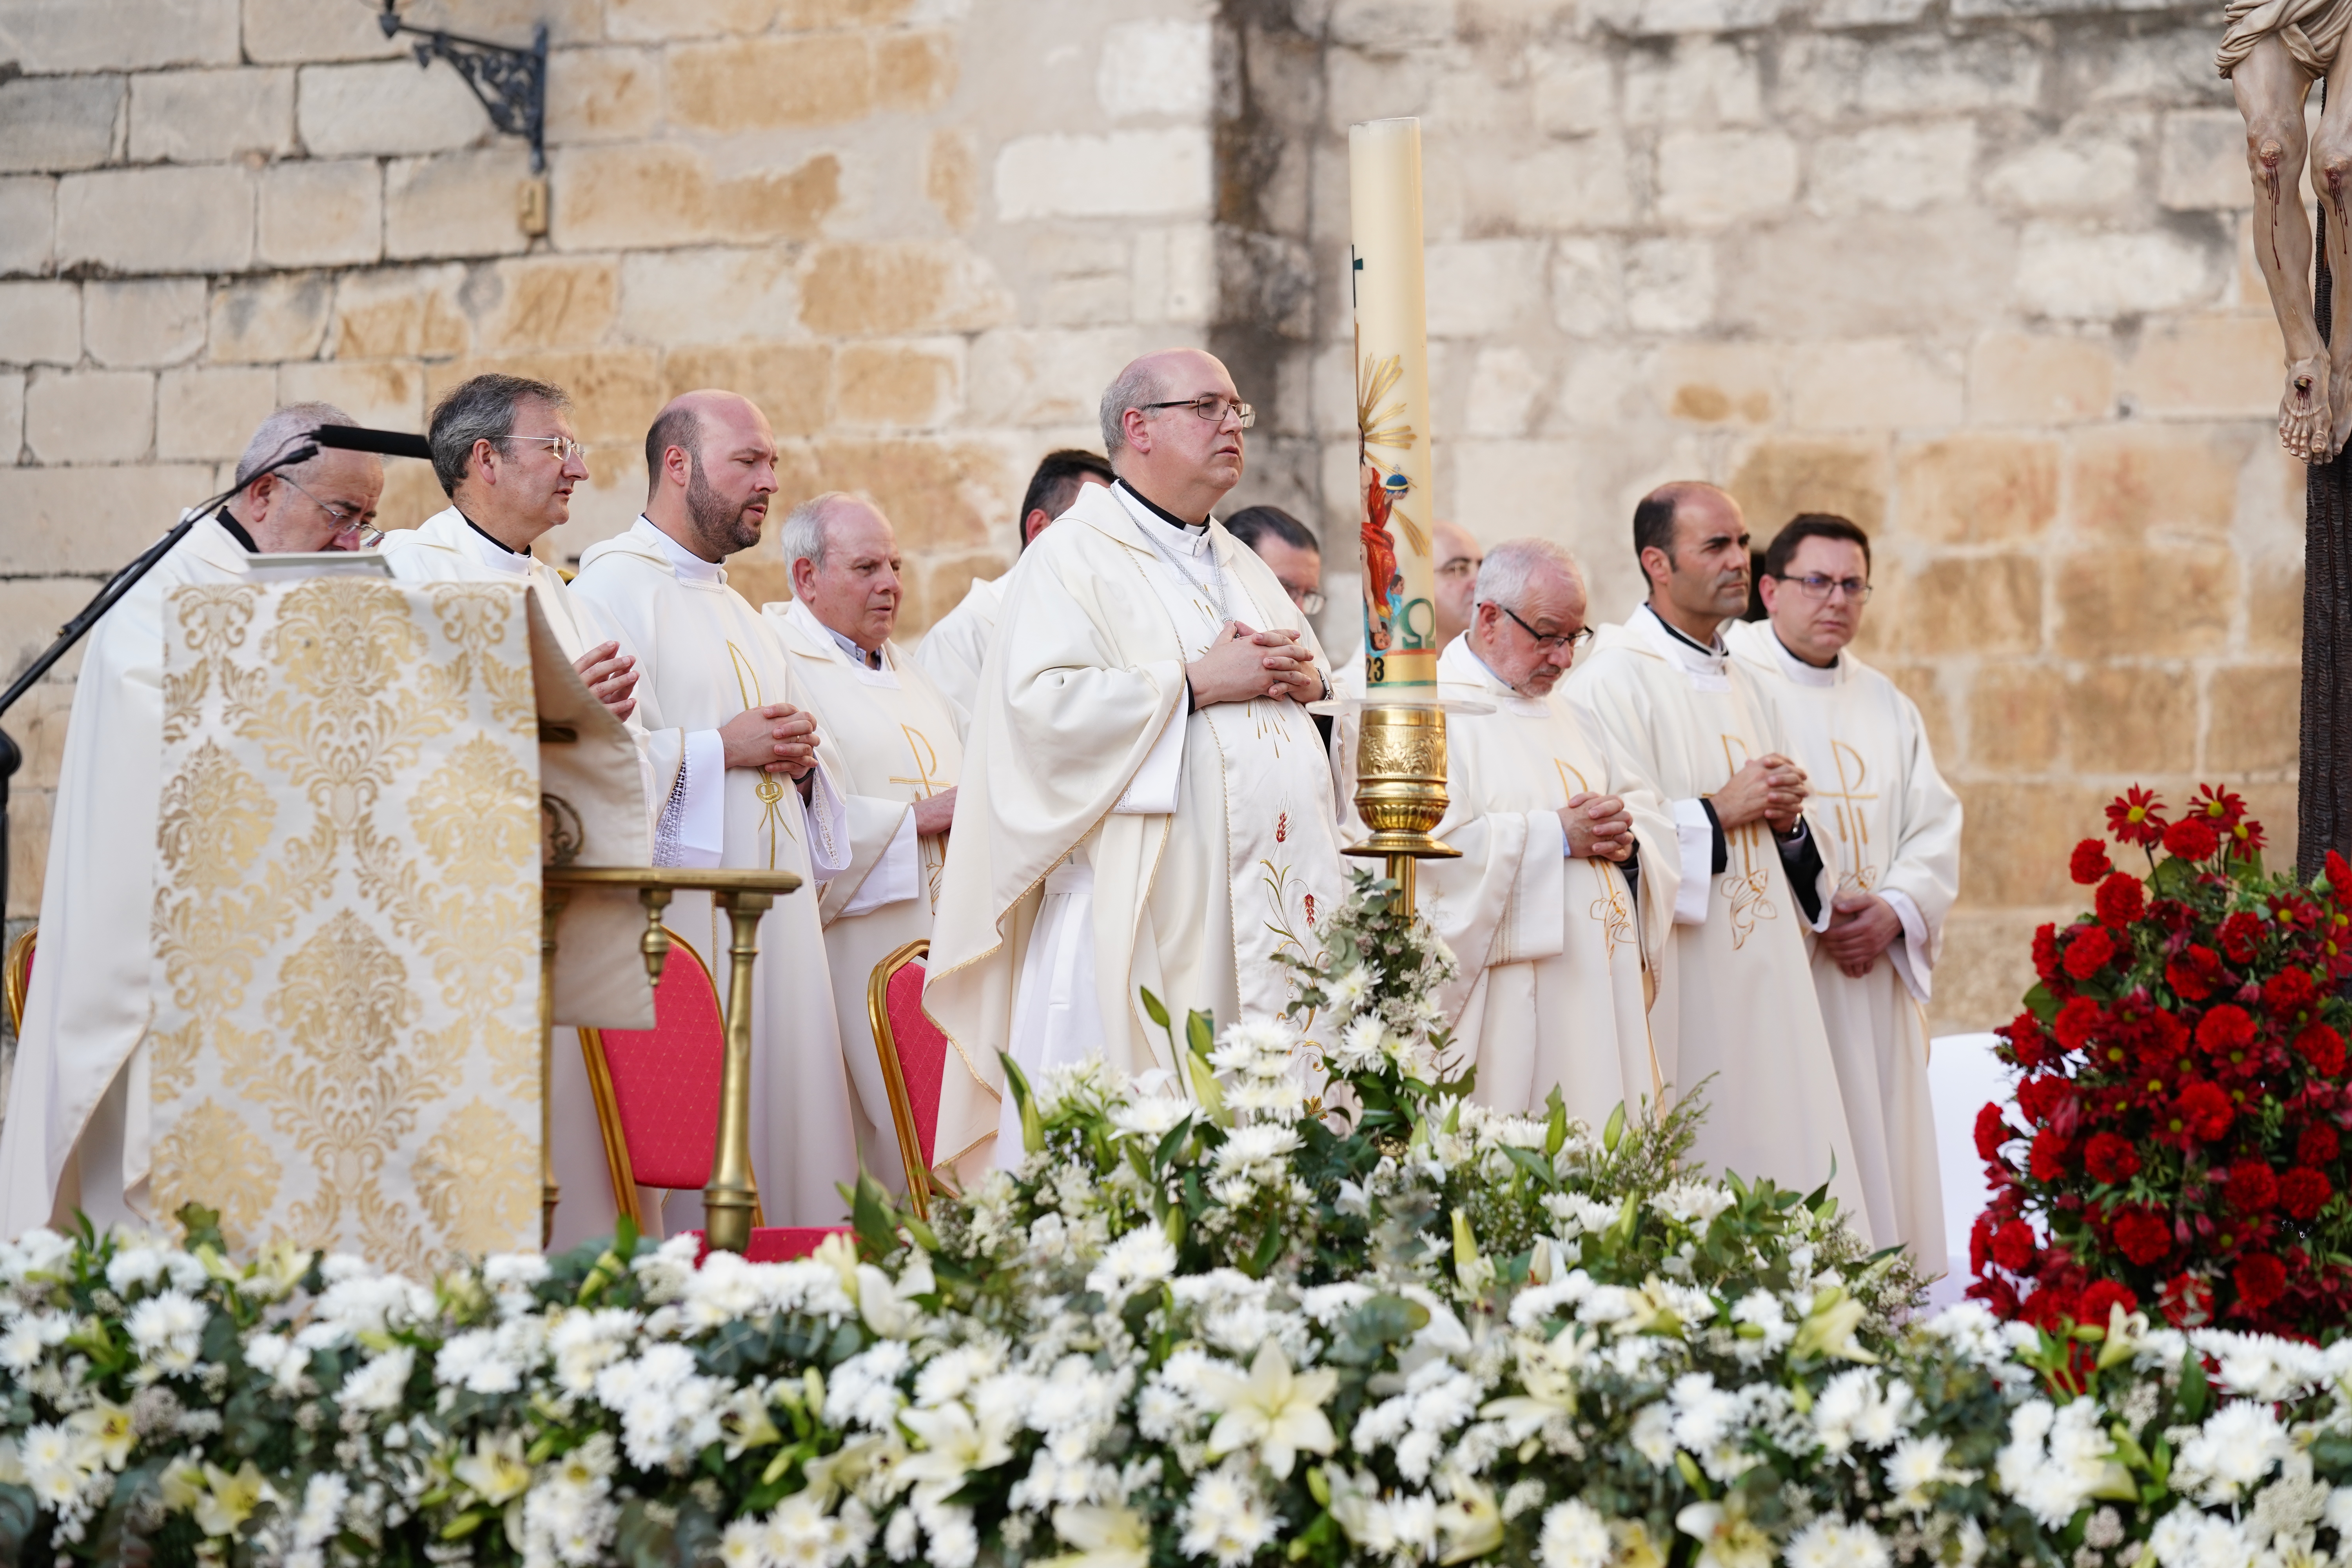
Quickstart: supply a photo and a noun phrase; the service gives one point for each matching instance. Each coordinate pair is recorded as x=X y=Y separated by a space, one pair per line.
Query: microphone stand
x=74 y=630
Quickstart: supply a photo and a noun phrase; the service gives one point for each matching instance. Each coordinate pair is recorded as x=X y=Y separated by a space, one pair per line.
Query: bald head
x=710 y=467
x=1164 y=449
x=1693 y=545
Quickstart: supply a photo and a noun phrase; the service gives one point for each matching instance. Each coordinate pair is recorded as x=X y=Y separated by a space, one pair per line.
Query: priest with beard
x=1567 y=867
x=76 y=1136
x=1688 y=725
x=709 y=663
x=1894 y=829
x=892 y=742
x=1145 y=802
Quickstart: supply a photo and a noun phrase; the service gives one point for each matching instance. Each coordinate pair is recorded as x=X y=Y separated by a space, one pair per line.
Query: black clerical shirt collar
x=1683 y=637
x=1161 y=512
x=227 y=519
x=485 y=533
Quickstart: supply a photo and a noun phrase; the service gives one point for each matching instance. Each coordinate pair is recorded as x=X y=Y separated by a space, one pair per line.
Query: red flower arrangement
x=2177 y=1141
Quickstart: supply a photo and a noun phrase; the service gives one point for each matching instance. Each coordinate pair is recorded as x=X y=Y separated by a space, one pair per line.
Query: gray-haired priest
x=1145 y=804
x=75 y=1134
x=893 y=741
x=1893 y=831
x=1568 y=867
x=711 y=663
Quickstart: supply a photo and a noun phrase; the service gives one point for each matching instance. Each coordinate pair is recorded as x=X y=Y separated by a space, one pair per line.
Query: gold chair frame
x=921 y=1181
x=16 y=978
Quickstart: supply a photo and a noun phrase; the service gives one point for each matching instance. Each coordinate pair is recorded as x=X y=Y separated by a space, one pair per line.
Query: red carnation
x=2339 y=874
x=2290 y=993
x=2110 y=1158
x=2190 y=840
x=2142 y=1235
x=2323 y=1047
x=2099 y=1299
x=2220 y=808
x=2089 y=950
x=2196 y=974
x=1992 y=1131
x=2014 y=1247
x=2046 y=952
x=1998 y=1295
x=2304 y=1192
x=2203 y=1111
x=2253 y=1187
x=2186 y=1301
x=2226 y=1028
x=2135 y=817
x=2090 y=862
x=2121 y=900
x=2077 y=1021
x=2172 y=914
x=2261 y=1280
x=2317 y=1145
x=2238 y=935
x=2050 y=1155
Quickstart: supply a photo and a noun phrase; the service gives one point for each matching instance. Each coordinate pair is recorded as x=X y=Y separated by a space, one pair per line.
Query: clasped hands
x=1242 y=664
x=1768 y=789
x=1598 y=826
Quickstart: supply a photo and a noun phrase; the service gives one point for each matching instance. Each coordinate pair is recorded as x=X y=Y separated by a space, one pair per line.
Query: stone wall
x=1974 y=271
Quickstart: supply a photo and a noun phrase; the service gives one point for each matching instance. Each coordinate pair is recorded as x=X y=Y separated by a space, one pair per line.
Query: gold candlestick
x=1401 y=747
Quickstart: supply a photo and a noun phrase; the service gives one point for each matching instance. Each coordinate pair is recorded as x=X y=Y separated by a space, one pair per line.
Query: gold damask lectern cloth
x=347 y=916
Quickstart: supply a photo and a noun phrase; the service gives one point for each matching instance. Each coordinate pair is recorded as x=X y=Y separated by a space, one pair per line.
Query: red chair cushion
x=666 y=1079
x=922 y=1054
x=779 y=1242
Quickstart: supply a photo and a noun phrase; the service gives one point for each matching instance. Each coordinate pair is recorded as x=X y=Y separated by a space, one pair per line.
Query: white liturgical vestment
x=1890 y=827
x=1111 y=838
x=81 y=1057
x=1735 y=999
x=704 y=657
x=891 y=740
x=953 y=652
x=1551 y=949
x=677 y=768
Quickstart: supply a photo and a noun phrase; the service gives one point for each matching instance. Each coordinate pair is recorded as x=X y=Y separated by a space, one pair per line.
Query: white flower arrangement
x=1322 y=1311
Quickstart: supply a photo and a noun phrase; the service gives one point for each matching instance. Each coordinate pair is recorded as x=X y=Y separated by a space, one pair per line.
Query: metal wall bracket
x=511 y=83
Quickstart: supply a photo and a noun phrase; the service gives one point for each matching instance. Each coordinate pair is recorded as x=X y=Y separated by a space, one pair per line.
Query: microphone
x=384 y=443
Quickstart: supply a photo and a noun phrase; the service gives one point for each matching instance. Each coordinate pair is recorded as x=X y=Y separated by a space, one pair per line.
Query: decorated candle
x=1394 y=499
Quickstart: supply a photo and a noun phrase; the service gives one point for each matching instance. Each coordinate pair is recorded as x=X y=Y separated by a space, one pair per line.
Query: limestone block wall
x=923 y=237
x=1976 y=273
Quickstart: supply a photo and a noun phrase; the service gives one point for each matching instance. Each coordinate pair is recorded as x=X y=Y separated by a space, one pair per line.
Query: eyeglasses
x=1309 y=601
x=564 y=447
x=1549 y=640
x=346 y=519
x=1816 y=586
x=1213 y=408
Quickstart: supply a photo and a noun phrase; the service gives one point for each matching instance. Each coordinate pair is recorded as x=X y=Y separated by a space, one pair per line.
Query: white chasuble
x=704 y=657
x=1551 y=950
x=1110 y=839
x=1890 y=827
x=1735 y=1002
x=78 y=1104
x=891 y=740
x=954 y=650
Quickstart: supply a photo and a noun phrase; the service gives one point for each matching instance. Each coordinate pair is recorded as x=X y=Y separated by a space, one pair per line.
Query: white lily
x=1105 y=1538
x=954 y=1445
x=1275 y=1410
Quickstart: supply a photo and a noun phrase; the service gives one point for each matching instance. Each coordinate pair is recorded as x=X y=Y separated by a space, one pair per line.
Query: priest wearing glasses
x=1688 y=723
x=75 y=1134
x=1145 y=804
x=1892 y=828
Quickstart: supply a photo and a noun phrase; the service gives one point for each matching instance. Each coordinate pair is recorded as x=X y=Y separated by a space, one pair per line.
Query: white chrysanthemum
x=1347 y=993
x=380 y=1382
x=1575 y=1213
x=1225 y=1519
x=1919 y=1463
x=1151 y=1118
x=1830 y=1541
x=2234 y=1449
x=166 y=1328
x=2057 y=1460
x=1694 y=1204
x=1574 y=1536
x=2188 y=1539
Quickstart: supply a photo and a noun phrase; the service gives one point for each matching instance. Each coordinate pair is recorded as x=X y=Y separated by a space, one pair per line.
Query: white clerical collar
x=1707 y=669
x=1796 y=668
x=1191 y=538
x=489 y=552
x=805 y=618
x=689 y=567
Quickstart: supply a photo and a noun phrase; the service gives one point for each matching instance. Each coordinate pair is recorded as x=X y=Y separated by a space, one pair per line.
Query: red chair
x=914 y=1054
x=656 y=1093
x=17 y=979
